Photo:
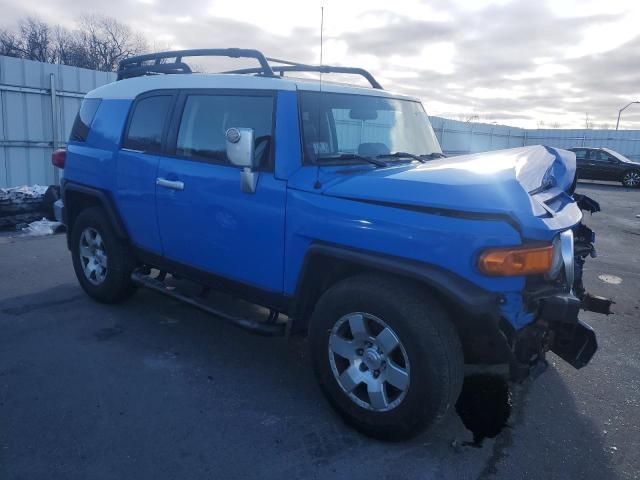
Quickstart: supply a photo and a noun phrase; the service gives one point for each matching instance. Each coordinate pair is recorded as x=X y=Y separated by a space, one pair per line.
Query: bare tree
x=99 y=43
x=107 y=41
x=32 y=40
x=588 y=123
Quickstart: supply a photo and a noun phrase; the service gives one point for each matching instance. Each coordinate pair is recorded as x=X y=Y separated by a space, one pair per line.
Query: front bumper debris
x=575 y=343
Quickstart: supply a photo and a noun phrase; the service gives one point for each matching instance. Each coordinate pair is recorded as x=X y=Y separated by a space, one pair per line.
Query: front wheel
x=631 y=179
x=387 y=357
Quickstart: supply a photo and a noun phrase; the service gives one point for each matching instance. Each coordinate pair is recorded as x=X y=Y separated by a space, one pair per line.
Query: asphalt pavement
x=156 y=389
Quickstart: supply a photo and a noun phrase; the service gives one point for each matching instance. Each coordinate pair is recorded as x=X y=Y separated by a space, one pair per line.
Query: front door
x=205 y=220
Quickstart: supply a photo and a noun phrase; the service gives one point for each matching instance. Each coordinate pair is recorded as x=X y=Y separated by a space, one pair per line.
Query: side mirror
x=241 y=153
x=241 y=147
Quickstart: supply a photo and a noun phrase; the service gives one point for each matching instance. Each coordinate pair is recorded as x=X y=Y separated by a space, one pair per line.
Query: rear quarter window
x=84 y=118
x=147 y=124
x=581 y=155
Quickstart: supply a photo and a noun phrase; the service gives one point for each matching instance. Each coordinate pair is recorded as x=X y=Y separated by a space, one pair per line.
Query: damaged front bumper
x=557 y=327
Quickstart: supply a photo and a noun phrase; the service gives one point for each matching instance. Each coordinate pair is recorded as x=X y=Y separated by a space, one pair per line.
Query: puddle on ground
x=484 y=406
x=612 y=279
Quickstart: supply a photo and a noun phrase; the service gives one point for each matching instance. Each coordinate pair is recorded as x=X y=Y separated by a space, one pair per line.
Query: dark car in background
x=606 y=164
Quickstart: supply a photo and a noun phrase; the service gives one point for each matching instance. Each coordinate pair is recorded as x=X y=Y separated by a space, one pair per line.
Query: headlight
x=557 y=263
x=562 y=258
x=566 y=247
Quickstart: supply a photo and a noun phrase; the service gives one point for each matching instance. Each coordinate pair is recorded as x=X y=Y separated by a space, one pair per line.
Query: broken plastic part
x=586 y=203
x=597 y=304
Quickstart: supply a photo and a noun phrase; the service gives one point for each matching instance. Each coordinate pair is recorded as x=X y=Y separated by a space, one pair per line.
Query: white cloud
x=513 y=60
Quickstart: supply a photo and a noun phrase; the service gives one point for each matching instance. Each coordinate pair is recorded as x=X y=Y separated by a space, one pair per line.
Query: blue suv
x=332 y=209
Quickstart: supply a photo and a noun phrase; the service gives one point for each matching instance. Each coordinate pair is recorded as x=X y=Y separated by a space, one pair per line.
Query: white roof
x=132 y=87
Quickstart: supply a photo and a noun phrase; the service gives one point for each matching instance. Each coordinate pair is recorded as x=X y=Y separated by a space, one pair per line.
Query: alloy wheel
x=631 y=179
x=369 y=362
x=93 y=256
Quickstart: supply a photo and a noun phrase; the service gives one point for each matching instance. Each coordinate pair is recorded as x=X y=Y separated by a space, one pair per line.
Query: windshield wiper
x=433 y=155
x=402 y=155
x=354 y=156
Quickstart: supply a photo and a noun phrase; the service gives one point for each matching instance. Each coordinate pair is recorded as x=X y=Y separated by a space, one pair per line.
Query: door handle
x=172 y=184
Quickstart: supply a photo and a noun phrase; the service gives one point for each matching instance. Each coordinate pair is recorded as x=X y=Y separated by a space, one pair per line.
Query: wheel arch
x=77 y=197
x=326 y=264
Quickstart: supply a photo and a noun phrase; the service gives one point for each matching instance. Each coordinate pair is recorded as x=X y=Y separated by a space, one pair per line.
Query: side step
x=255 y=326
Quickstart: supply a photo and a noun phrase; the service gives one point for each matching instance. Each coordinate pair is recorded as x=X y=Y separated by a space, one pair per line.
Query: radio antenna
x=317 y=184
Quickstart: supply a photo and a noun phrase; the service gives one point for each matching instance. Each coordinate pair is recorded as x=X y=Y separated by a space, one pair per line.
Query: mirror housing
x=241 y=147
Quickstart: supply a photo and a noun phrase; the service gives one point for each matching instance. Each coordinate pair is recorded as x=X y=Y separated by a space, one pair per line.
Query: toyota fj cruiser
x=333 y=208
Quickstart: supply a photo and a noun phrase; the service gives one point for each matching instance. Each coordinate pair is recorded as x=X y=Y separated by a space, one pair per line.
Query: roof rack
x=156 y=63
x=302 y=67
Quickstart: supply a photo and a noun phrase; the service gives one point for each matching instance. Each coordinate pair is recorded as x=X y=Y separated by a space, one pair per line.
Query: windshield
x=342 y=127
x=618 y=155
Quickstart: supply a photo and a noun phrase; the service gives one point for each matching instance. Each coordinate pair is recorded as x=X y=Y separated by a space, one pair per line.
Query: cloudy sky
x=517 y=62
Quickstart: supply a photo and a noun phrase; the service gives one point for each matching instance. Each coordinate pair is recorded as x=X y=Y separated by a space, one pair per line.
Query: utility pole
x=621 y=110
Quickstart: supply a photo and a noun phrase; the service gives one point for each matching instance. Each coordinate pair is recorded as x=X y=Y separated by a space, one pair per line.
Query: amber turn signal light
x=515 y=261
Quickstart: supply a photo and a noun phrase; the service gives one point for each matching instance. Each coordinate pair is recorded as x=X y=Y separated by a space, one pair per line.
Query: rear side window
x=206 y=118
x=147 y=124
x=82 y=123
x=580 y=154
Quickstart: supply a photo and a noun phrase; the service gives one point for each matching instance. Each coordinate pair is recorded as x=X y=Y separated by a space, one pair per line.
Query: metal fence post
x=54 y=122
x=524 y=138
x=442 y=147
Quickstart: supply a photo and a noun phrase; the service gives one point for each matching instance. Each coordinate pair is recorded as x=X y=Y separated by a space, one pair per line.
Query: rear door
x=205 y=220
x=137 y=166
x=601 y=165
x=582 y=165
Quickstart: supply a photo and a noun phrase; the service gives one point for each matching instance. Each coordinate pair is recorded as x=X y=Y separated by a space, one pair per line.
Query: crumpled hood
x=498 y=182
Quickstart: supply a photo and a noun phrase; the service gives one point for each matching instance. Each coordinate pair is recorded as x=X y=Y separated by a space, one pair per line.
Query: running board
x=255 y=326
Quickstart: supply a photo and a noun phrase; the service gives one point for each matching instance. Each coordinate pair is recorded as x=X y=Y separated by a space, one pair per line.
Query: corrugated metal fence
x=458 y=138
x=38 y=103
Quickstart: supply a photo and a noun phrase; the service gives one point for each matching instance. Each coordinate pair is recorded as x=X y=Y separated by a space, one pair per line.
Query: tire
x=631 y=179
x=425 y=336
x=111 y=279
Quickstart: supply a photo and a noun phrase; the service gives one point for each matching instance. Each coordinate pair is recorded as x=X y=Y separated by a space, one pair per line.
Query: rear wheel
x=102 y=262
x=631 y=179
x=386 y=355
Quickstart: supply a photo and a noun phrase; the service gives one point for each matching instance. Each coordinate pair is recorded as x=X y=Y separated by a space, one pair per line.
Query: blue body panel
x=288 y=146
x=443 y=213
x=213 y=226
x=93 y=163
x=135 y=197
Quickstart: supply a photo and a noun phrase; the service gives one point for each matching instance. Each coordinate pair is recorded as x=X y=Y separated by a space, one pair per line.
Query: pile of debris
x=23 y=205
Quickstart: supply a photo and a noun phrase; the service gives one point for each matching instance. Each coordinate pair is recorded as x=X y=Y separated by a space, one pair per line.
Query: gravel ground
x=155 y=389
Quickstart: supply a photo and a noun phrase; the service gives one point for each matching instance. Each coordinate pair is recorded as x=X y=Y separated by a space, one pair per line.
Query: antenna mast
x=317 y=184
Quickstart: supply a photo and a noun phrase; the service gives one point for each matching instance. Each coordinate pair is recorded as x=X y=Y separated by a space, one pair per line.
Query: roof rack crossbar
x=300 y=67
x=136 y=67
